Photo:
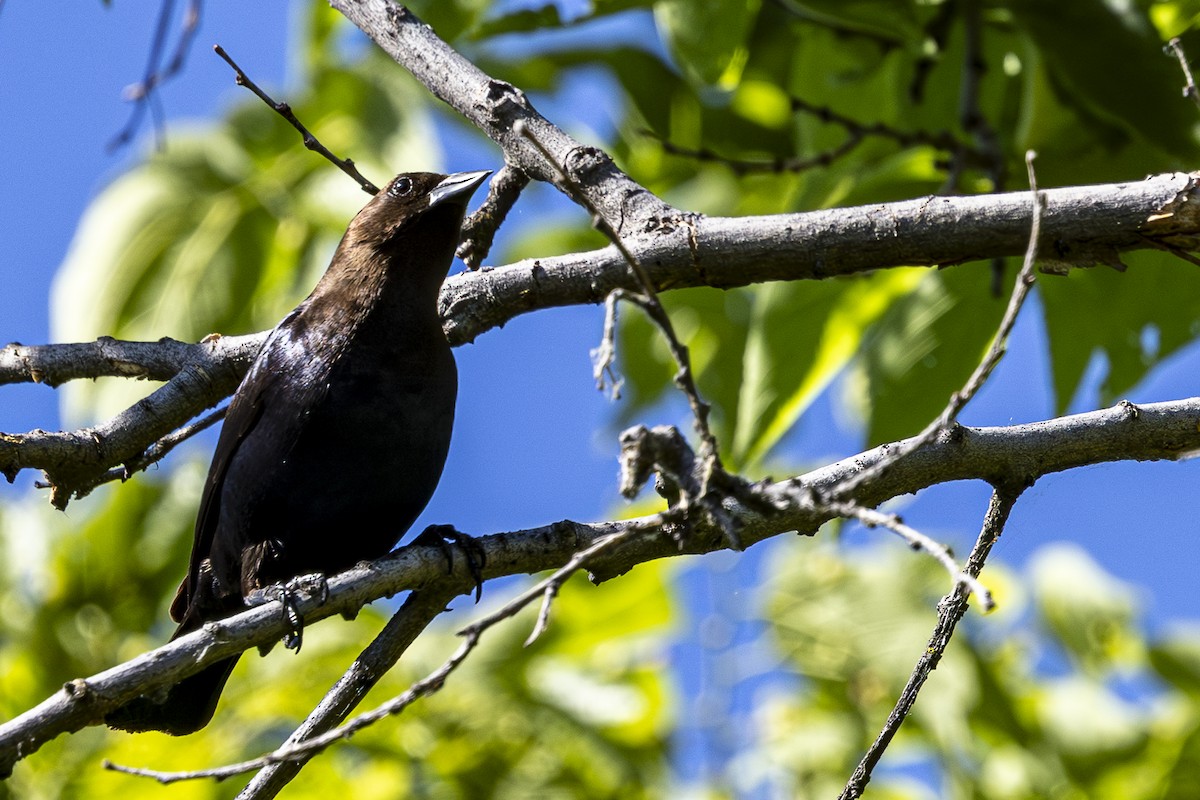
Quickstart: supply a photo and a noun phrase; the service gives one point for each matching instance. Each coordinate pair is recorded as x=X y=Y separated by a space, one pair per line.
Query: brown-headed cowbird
x=336 y=438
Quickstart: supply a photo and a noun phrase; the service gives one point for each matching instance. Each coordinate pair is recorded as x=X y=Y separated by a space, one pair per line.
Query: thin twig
x=605 y=355
x=988 y=153
x=745 y=166
x=143 y=93
x=936 y=34
x=284 y=110
x=1189 y=88
x=649 y=302
x=942 y=140
x=152 y=455
x=838 y=26
x=950 y=610
x=555 y=581
x=918 y=541
x=996 y=351
x=479 y=229
x=419 y=610
x=1174 y=250
x=856 y=132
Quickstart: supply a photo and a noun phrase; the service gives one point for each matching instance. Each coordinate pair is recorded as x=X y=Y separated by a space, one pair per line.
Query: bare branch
x=1189 y=87
x=647 y=299
x=494 y=107
x=149 y=457
x=987 y=153
x=76 y=461
x=950 y=610
x=419 y=609
x=305 y=749
x=479 y=229
x=605 y=355
x=56 y=364
x=284 y=110
x=143 y=94
x=996 y=351
x=918 y=541
x=747 y=166
x=1080 y=226
x=856 y=133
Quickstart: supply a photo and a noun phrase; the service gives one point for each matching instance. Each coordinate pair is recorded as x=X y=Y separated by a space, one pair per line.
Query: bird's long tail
x=180 y=709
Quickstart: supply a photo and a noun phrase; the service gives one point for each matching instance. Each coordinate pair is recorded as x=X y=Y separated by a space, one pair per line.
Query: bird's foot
x=442 y=537
x=313 y=585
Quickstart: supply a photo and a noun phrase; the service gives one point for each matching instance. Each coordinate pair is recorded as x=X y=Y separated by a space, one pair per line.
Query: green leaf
x=1176 y=658
x=1089 y=725
x=708 y=37
x=1136 y=93
x=888 y=19
x=1135 y=319
x=521 y=21
x=922 y=350
x=801 y=337
x=450 y=18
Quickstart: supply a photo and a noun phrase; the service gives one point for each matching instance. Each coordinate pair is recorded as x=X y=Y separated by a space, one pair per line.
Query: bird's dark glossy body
x=336 y=439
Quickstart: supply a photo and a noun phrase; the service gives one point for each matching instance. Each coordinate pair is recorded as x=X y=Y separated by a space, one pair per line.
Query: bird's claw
x=314 y=585
x=442 y=537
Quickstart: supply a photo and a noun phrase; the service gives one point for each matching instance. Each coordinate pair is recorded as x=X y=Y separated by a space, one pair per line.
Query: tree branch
x=951 y=609
x=76 y=461
x=494 y=107
x=1012 y=456
x=419 y=609
x=1080 y=226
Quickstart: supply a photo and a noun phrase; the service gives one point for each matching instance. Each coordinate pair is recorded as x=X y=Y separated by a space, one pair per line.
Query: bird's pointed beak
x=457 y=187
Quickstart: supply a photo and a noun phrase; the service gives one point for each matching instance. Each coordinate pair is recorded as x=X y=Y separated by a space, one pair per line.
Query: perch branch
x=472 y=634
x=1079 y=225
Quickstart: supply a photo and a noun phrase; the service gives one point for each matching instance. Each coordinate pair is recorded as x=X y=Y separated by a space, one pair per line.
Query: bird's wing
x=266 y=385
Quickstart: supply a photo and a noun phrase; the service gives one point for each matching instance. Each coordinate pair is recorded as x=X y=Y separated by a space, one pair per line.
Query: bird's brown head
x=426 y=200
x=405 y=236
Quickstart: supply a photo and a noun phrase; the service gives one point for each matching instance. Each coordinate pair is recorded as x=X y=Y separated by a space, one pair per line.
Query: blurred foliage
x=1061 y=693
x=593 y=685
x=1056 y=694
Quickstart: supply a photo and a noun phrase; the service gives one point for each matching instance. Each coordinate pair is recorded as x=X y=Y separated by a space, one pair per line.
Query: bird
x=335 y=440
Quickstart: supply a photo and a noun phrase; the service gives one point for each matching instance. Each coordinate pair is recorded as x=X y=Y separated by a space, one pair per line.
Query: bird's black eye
x=400 y=187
